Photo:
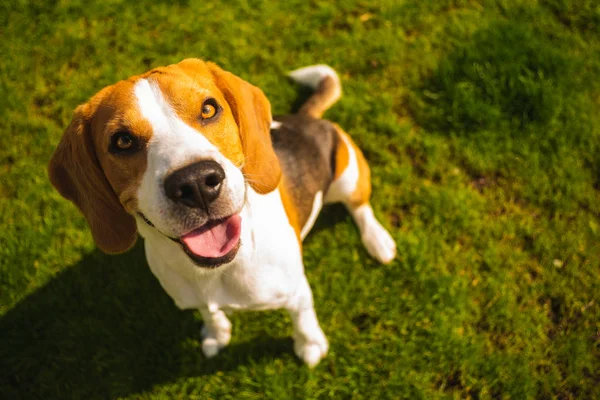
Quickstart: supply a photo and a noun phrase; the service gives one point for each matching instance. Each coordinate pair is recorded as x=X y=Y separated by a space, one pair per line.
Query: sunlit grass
x=480 y=122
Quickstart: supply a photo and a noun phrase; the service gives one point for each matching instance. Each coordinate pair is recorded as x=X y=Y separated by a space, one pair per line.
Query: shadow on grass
x=304 y=92
x=331 y=215
x=105 y=328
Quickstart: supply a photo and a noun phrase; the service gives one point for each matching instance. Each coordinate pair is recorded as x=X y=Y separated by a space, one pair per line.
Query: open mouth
x=215 y=242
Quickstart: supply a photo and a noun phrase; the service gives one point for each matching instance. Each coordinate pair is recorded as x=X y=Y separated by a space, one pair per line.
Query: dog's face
x=177 y=146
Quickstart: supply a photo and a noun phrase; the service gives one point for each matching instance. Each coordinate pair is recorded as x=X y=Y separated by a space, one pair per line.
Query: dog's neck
x=267 y=266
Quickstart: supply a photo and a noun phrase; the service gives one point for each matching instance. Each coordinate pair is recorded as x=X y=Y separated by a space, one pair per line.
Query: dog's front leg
x=216 y=331
x=310 y=343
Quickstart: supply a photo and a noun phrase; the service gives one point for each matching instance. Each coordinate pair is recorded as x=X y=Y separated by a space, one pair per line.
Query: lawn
x=481 y=123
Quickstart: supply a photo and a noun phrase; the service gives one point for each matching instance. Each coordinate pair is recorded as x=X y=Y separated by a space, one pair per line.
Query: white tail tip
x=312 y=75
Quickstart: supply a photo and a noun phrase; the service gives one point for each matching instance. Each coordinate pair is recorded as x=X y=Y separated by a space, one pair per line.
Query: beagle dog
x=189 y=157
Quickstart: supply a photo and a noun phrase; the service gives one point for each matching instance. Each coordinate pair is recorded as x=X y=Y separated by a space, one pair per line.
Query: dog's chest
x=264 y=275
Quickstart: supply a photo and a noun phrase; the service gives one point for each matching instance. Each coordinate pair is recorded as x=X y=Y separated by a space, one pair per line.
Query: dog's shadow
x=104 y=328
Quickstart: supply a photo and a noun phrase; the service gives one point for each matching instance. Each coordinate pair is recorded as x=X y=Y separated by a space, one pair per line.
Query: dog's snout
x=196 y=185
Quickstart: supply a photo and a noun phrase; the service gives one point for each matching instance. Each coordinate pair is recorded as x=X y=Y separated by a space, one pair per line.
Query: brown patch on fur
x=240 y=132
x=306 y=151
x=362 y=193
x=252 y=113
x=327 y=93
x=83 y=172
x=186 y=86
x=342 y=155
x=290 y=208
x=119 y=112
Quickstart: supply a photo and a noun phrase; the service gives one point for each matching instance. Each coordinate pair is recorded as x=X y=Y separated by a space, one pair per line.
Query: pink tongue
x=214 y=240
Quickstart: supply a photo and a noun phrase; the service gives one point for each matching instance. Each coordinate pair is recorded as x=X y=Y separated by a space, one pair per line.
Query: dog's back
x=306 y=145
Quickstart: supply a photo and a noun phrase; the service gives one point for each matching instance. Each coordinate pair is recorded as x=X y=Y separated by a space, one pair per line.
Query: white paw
x=378 y=242
x=313 y=350
x=210 y=347
x=213 y=341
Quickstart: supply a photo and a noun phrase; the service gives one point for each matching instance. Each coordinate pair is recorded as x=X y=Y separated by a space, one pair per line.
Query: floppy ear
x=252 y=112
x=75 y=172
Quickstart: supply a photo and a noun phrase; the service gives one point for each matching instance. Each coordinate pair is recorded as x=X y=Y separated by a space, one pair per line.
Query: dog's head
x=177 y=146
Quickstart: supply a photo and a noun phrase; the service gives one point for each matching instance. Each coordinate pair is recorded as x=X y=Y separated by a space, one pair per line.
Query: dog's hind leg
x=352 y=187
x=216 y=331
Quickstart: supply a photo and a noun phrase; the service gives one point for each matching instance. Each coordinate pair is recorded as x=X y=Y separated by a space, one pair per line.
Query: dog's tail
x=326 y=84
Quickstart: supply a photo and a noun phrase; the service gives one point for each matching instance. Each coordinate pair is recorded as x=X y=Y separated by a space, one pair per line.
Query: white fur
x=263 y=275
x=378 y=242
x=312 y=75
x=314 y=213
x=345 y=184
x=173 y=145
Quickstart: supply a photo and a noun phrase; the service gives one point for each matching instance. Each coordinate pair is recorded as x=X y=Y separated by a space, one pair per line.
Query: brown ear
x=252 y=112
x=76 y=173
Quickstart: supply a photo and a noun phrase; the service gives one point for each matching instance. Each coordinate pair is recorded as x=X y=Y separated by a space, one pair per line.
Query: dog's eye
x=123 y=142
x=210 y=108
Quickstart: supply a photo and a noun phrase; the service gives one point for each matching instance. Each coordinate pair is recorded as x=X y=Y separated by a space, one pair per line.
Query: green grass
x=480 y=120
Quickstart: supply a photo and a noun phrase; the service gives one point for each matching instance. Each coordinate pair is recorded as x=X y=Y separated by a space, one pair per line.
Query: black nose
x=196 y=185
